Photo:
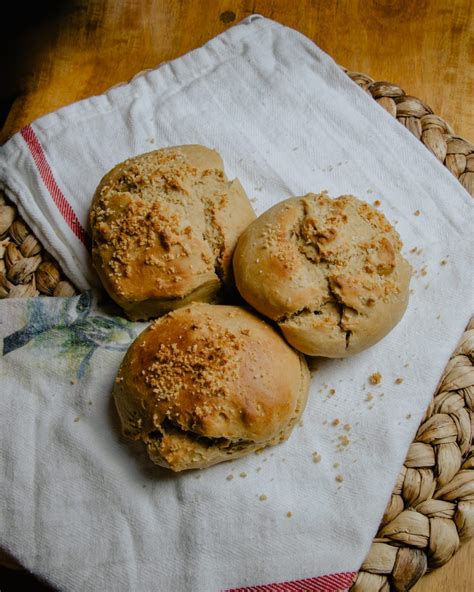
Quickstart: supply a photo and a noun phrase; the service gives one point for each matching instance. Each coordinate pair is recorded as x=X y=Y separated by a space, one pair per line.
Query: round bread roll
x=209 y=383
x=328 y=271
x=164 y=226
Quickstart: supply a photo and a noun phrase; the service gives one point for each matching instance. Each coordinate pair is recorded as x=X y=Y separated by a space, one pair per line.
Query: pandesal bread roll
x=328 y=271
x=164 y=226
x=209 y=383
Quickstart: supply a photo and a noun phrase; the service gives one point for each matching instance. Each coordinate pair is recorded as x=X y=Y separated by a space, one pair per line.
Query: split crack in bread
x=164 y=226
x=209 y=383
x=328 y=271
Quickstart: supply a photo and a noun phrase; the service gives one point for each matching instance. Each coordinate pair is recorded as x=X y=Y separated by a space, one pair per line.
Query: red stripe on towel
x=331 y=583
x=57 y=195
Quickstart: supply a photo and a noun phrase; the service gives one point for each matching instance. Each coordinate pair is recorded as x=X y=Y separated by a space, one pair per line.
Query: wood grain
x=456 y=576
x=427 y=47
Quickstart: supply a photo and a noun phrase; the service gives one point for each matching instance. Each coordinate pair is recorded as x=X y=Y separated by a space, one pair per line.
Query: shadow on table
x=13 y=580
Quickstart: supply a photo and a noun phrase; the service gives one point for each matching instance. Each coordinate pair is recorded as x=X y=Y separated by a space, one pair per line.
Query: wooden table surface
x=72 y=50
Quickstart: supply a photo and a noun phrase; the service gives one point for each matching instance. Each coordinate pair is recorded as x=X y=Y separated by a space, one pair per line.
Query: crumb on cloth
x=375 y=378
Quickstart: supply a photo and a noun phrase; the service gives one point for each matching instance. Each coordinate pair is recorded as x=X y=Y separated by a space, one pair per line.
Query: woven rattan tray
x=431 y=510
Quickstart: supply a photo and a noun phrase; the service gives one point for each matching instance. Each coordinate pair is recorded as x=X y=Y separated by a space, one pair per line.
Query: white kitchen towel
x=88 y=511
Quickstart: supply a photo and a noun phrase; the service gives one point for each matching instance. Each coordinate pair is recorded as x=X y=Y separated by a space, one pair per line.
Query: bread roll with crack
x=209 y=383
x=164 y=226
x=328 y=271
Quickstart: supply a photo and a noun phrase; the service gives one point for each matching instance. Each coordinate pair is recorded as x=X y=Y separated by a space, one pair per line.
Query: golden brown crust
x=164 y=226
x=328 y=271
x=209 y=383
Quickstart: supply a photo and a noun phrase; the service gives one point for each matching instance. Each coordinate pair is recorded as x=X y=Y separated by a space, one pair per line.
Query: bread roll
x=209 y=383
x=328 y=271
x=164 y=225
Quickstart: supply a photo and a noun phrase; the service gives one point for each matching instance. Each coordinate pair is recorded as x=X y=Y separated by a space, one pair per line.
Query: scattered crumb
x=339 y=478
x=289 y=514
x=370 y=190
x=76 y=419
x=263 y=497
x=73 y=382
x=408 y=416
x=370 y=407
x=253 y=199
x=258 y=469
x=316 y=457
x=347 y=426
x=325 y=422
x=413 y=250
x=336 y=465
x=332 y=392
x=369 y=397
x=243 y=475
x=335 y=422
x=377 y=203
x=89 y=403
x=382 y=395
x=443 y=262
x=417 y=213
x=375 y=378
x=344 y=440
x=229 y=477
x=438 y=317
x=398 y=380
x=197 y=476
x=406 y=365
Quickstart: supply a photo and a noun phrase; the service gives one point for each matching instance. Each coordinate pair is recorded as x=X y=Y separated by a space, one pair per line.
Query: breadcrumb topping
x=210 y=363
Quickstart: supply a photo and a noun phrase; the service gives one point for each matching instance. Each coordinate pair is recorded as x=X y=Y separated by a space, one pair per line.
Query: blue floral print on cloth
x=68 y=328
